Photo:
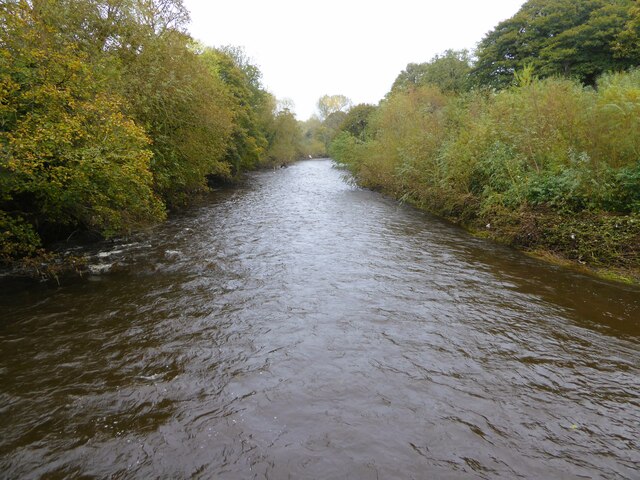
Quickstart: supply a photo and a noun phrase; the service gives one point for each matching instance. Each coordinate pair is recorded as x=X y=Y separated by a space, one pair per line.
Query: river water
x=300 y=327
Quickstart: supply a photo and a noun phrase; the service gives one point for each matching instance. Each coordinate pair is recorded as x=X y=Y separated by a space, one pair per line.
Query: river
x=300 y=327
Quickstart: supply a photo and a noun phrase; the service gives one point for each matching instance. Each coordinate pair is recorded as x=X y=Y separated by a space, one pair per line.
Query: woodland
x=112 y=115
x=532 y=140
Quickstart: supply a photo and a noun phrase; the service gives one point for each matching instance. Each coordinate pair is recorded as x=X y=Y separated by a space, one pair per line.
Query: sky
x=350 y=47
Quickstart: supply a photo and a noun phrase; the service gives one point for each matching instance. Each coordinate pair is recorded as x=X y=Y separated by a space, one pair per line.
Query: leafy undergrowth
x=601 y=243
x=45 y=265
x=545 y=165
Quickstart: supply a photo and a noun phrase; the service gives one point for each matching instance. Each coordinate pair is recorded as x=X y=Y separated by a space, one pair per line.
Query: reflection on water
x=303 y=328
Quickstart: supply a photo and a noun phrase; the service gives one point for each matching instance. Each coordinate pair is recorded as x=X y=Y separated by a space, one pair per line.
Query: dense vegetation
x=562 y=37
x=319 y=130
x=110 y=114
x=535 y=144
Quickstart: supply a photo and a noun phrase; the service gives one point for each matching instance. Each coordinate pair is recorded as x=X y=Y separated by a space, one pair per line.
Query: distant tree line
x=110 y=113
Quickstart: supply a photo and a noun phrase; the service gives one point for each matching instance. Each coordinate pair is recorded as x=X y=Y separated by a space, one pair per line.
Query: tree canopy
x=110 y=113
x=561 y=37
x=449 y=71
x=357 y=120
x=328 y=104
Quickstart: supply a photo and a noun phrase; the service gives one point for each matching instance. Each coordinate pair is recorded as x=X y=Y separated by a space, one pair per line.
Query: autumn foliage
x=538 y=159
x=110 y=114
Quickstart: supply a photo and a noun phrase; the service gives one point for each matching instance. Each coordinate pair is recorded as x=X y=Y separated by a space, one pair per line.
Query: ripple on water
x=301 y=327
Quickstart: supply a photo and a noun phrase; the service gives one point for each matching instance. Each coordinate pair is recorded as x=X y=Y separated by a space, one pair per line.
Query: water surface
x=300 y=327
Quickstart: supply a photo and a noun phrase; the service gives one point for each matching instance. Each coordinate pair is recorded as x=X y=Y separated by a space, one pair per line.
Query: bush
x=17 y=238
x=569 y=154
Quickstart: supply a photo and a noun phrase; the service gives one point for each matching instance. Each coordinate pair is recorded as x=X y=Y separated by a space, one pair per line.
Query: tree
x=627 y=43
x=252 y=107
x=186 y=110
x=328 y=104
x=109 y=110
x=556 y=37
x=357 y=120
x=285 y=104
x=330 y=127
x=143 y=50
x=71 y=157
x=285 y=138
x=312 y=143
x=449 y=71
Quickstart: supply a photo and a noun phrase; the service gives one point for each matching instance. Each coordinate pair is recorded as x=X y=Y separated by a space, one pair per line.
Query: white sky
x=350 y=47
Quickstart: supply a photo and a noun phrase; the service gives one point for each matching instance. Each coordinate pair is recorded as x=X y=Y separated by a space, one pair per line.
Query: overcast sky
x=350 y=47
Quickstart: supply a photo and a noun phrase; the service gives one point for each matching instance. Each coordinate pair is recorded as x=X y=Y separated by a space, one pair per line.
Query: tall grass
x=544 y=151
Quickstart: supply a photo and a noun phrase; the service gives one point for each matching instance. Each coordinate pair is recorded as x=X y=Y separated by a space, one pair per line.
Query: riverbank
x=273 y=329
x=101 y=137
x=549 y=166
x=596 y=243
x=89 y=254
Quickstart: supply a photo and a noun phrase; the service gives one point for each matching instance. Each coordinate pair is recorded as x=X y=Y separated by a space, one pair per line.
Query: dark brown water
x=303 y=328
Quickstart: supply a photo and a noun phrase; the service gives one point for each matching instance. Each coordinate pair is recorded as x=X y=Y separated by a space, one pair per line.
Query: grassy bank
x=548 y=166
